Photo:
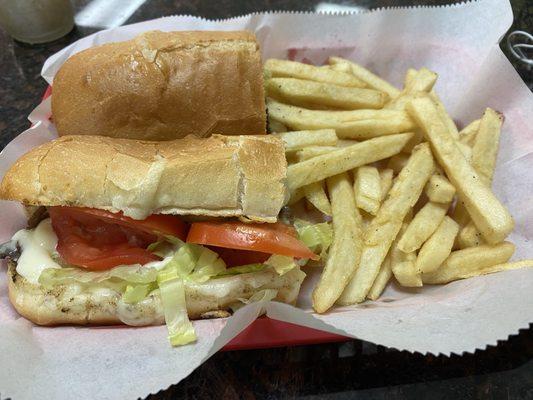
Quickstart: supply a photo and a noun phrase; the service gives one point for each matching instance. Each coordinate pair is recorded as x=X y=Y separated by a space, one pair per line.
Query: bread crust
x=218 y=176
x=70 y=304
x=163 y=86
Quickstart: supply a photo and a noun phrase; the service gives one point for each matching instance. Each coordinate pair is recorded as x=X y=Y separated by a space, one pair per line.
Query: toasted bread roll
x=219 y=176
x=163 y=86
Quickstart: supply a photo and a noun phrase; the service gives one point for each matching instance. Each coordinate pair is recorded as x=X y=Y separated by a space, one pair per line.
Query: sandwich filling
x=160 y=254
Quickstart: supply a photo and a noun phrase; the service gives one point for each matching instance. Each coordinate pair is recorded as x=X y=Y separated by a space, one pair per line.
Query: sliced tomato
x=156 y=224
x=265 y=238
x=94 y=244
x=234 y=257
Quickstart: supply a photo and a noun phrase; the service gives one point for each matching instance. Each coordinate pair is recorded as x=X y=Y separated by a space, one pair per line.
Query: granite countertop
x=337 y=371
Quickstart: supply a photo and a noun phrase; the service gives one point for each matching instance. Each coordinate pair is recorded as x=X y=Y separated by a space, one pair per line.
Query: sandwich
x=135 y=232
x=163 y=86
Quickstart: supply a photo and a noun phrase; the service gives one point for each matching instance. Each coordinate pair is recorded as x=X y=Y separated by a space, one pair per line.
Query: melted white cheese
x=37 y=247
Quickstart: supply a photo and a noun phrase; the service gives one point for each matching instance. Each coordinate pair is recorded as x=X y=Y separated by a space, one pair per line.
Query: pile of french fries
x=409 y=195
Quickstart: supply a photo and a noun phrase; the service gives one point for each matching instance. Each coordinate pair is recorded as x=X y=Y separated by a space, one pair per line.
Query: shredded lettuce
x=117 y=277
x=135 y=293
x=317 y=237
x=282 y=264
x=172 y=290
x=165 y=247
x=196 y=263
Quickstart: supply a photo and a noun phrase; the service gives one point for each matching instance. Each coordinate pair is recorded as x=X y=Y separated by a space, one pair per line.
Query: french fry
x=417 y=138
x=346 y=142
x=315 y=194
x=486 y=144
x=489 y=215
x=297 y=140
x=371 y=128
x=344 y=159
x=459 y=214
x=403 y=264
x=366 y=76
x=355 y=124
x=345 y=250
x=385 y=176
x=398 y=162
x=382 y=279
x=425 y=222
x=470 y=262
x=438 y=247
x=367 y=189
x=465 y=149
x=439 y=189
x=385 y=226
x=421 y=81
x=298 y=92
x=291 y=69
x=275 y=126
x=468 y=134
x=484 y=154
x=313 y=151
x=343 y=67
x=409 y=76
x=469 y=236
x=493 y=269
x=445 y=117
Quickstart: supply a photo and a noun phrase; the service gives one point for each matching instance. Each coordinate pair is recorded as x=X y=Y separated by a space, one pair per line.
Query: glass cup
x=36 y=21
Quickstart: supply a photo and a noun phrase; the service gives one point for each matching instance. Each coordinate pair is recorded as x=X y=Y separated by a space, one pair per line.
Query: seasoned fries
x=370 y=79
x=367 y=188
x=344 y=159
x=464 y=262
x=302 y=92
x=384 y=275
x=425 y=222
x=486 y=144
x=300 y=139
x=356 y=124
x=438 y=247
x=490 y=216
x=385 y=176
x=439 y=189
x=345 y=250
x=290 y=69
x=403 y=264
x=315 y=194
x=385 y=226
x=313 y=151
x=352 y=120
x=468 y=133
x=464 y=274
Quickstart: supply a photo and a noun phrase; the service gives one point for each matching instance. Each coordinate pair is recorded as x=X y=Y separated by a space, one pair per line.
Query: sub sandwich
x=143 y=233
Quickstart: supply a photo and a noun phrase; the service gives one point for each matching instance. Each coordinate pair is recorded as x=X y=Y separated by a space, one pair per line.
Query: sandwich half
x=143 y=233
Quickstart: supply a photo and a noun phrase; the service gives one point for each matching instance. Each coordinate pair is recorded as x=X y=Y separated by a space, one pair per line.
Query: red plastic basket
x=266 y=333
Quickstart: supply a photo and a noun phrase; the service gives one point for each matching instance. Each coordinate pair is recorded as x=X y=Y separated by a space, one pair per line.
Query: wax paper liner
x=460 y=42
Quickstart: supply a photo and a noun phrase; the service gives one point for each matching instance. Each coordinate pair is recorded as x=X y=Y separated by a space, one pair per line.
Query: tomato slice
x=234 y=257
x=157 y=224
x=266 y=238
x=91 y=243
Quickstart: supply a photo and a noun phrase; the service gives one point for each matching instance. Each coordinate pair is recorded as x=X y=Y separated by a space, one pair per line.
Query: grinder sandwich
x=142 y=233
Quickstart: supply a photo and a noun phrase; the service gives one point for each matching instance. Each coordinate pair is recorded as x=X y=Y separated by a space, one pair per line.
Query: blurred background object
x=36 y=21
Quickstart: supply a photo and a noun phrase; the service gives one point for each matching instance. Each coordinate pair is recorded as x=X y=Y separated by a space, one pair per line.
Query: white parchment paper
x=460 y=43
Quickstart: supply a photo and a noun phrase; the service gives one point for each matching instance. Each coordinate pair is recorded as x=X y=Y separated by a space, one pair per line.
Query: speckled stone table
x=348 y=370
